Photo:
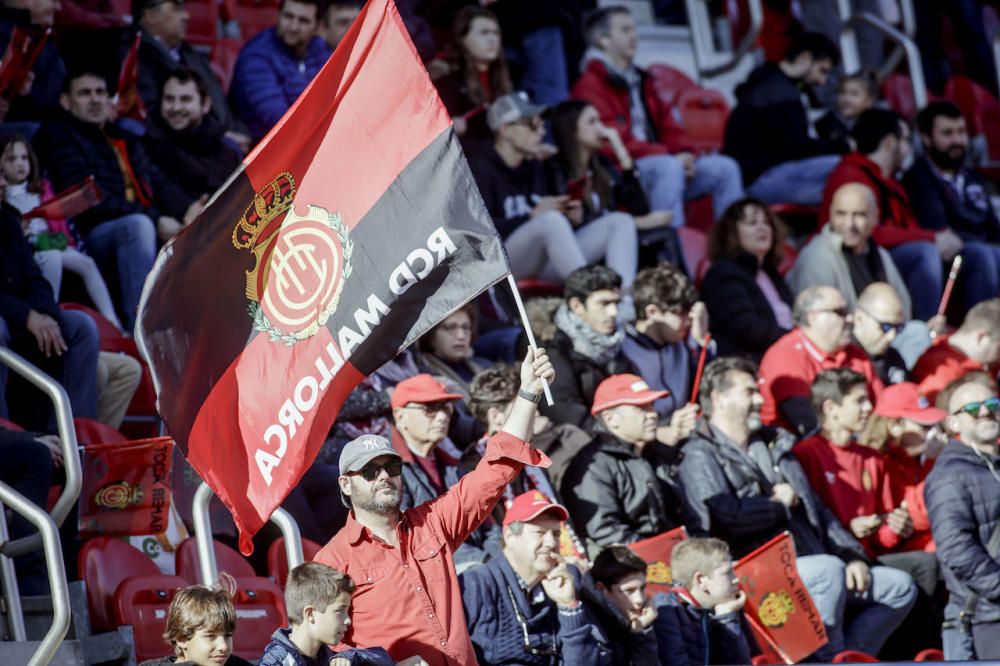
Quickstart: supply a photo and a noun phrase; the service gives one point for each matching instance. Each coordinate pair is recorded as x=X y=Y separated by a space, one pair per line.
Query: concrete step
x=70 y=653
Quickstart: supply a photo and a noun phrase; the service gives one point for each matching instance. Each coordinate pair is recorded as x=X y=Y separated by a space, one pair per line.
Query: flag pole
x=701 y=368
x=956 y=266
x=527 y=329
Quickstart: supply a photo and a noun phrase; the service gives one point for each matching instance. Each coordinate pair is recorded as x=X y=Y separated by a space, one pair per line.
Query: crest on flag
x=300 y=262
x=775 y=608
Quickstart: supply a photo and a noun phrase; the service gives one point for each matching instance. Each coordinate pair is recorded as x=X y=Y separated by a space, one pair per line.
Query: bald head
x=878 y=318
x=853 y=214
x=881 y=300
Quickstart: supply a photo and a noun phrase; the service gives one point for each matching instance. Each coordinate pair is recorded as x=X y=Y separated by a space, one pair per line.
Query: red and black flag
x=353 y=228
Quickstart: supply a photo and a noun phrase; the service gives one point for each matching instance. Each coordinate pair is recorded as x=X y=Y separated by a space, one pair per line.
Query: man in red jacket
x=883 y=150
x=624 y=97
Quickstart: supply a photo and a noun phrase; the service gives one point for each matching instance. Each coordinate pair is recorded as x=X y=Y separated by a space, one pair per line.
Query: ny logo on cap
x=372 y=444
x=639 y=387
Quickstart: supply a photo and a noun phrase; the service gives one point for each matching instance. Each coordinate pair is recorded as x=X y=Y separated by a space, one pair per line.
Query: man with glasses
x=820 y=341
x=878 y=321
x=963 y=500
x=523 y=606
x=974 y=347
x=407 y=598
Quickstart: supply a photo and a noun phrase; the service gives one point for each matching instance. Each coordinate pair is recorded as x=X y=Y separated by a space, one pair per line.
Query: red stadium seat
x=226 y=559
x=694 y=244
x=103 y=563
x=703 y=113
x=981 y=110
x=532 y=288
x=277 y=559
x=931 y=654
x=89 y=431
x=854 y=657
x=224 y=55
x=203 y=24
x=143 y=603
x=10 y=425
x=254 y=17
x=669 y=82
x=898 y=94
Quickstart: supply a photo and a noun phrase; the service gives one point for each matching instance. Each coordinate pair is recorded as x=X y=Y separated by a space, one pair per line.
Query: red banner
x=657 y=552
x=779 y=608
x=70 y=202
x=129 y=103
x=126 y=488
x=22 y=52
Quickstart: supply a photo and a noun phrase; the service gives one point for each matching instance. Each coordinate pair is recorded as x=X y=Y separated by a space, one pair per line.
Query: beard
x=948 y=159
x=383 y=507
x=987 y=431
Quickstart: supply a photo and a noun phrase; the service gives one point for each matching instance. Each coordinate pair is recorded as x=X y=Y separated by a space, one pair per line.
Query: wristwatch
x=529 y=396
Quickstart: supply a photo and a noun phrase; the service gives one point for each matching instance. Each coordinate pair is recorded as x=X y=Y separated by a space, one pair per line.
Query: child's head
x=621 y=575
x=840 y=398
x=704 y=567
x=200 y=625
x=18 y=162
x=318 y=599
x=856 y=93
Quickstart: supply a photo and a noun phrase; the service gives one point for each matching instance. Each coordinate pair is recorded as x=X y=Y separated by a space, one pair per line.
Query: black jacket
x=963 y=503
x=617 y=496
x=510 y=194
x=691 y=636
x=71 y=150
x=770 y=124
x=618 y=644
x=22 y=286
x=937 y=205
x=626 y=191
x=740 y=316
x=727 y=495
x=197 y=159
x=576 y=381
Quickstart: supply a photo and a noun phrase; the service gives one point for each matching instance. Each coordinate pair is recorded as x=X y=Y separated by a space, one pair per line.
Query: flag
x=130 y=105
x=657 y=551
x=350 y=230
x=126 y=488
x=780 y=610
x=22 y=51
x=70 y=202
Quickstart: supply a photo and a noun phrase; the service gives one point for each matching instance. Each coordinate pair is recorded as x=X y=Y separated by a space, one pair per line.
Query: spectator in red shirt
x=848 y=477
x=883 y=150
x=820 y=341
x=407 y=598
x=974 y=347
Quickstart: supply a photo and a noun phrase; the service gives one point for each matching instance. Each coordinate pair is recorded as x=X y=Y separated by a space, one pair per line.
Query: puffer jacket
x=617 y=643
x=963 y=501
x=727 y=495
x=282 y=652
x=617 y=496
x=691 y=636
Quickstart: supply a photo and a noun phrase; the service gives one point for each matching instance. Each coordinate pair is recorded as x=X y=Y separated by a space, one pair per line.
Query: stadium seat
x=669 y=82
x=800 y=220
x=532 y=288
x=89 y=431
x=10 y=425
x=203 y=24
x=703 y=113
x=143 y=603
x=254 y=16
x=981 y=110
x=226 y=559
x=694 y=244
x=854 y=657
x=277 y=559
x=103 y=563
x=930 y=654
x=897 y=91
x=224 y=54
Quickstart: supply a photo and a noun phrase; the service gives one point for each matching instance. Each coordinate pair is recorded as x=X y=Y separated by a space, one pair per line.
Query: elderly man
x=407 y=598
x=523 y=607
x=843 y=255
x=878 y=320
x=820 y=341
x=618 y=488
x=743 y=485
x=963 y=500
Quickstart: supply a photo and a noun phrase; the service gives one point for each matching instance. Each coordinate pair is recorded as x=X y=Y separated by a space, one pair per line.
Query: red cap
x=624 y=390
x=904 y=401
x=528 y=506
x=420 y=389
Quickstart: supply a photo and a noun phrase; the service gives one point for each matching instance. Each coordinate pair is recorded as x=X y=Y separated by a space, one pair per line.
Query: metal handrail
x=54 y=565
x=203 y=535
x=700 y=24
x=913 y=59
x=67 y=438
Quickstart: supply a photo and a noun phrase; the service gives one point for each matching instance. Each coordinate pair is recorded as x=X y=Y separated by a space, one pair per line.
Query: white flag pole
x=527 y=329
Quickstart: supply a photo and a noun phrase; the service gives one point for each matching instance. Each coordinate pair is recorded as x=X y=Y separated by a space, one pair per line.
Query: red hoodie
x=897 y=223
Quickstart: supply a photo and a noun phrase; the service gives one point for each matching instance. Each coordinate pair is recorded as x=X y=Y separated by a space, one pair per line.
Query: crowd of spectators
x=837 y=401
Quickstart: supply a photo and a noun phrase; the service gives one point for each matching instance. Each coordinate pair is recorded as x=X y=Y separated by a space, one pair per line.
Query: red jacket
x=897 y=223
x=906 y=481
x=942 y=364
x=609 y=94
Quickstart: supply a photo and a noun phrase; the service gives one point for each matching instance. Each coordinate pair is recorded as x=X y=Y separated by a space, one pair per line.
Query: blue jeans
x=980 y=272
x=662 y=176
x=128 y=244
x=876 y=613
x=799 y=182
x=919 y=262
x=79 y=362
x=542 y=55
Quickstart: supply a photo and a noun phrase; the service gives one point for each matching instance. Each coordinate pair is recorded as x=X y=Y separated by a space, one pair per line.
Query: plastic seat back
x=277 y=558
x=90 y=431
x=930 y=654
x=103 y=563
x=143 y=602
x=854 y=657
x=260 y=609
x=226 y=559
x=669 y=82
x=203 y=24
x=703 y=113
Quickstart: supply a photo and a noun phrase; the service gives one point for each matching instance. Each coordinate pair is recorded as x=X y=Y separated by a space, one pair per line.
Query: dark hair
x=493 y=387
x=80 y=72
x=184 y=75
x=615 y=563
x=597 y=23
x=665 y=286
x=833 y=385
x=874 y=125
x=339 y=4
x=34 y=182
x=867 y=77
x=724 y=240
x=930 y=113
x=816 y=44
x=565 y=119
x=498 y=74
x=583 y=282
x=320 y=6
x=718 y=377
x=425 y=343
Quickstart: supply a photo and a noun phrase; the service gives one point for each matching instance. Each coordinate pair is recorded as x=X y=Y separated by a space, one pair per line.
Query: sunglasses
x=432 y=407
x=371 y=471
x=885 y=326
x=992 y=405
